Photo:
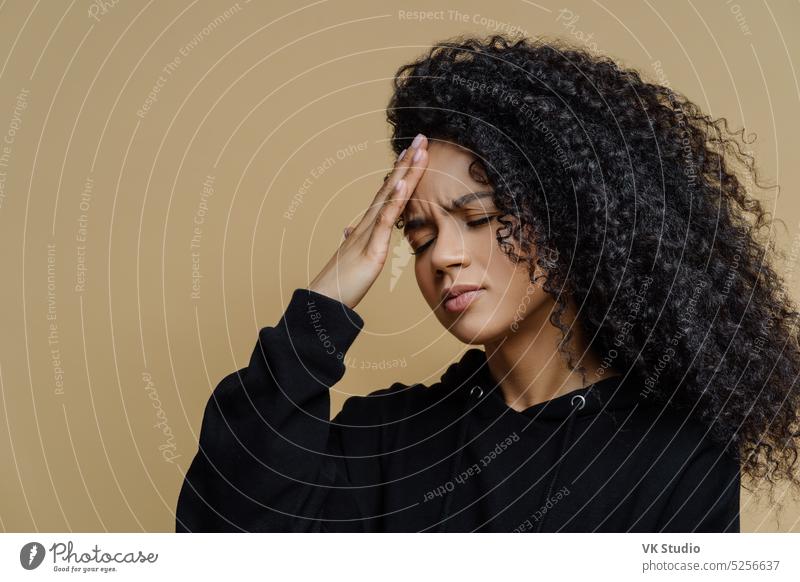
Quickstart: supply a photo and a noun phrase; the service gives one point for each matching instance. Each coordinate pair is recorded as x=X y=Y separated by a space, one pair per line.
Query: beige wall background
x=171 y=171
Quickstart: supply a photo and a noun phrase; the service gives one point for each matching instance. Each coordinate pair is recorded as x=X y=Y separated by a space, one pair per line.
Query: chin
x=472 y=328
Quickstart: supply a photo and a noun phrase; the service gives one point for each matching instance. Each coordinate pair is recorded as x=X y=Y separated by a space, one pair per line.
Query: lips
x=457 y=290
x=459 y=297
x=462 y=301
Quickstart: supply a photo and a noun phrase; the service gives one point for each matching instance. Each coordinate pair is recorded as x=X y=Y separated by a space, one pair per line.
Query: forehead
x=446 y=177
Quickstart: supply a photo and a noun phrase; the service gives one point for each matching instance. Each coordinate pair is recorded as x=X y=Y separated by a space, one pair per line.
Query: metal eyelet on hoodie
x=444 y=523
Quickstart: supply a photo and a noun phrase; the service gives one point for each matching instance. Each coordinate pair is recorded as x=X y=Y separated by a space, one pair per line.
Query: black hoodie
x=452 y=456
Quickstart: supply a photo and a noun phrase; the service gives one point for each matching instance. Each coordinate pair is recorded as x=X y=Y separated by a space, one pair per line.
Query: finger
x=392 y=208
x=401 y=167
x=415 y=170
x=402 y=164
x=396 y=201
x=385 y=218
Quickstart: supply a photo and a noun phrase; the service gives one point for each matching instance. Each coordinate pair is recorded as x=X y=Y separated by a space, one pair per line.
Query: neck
x=528 y=366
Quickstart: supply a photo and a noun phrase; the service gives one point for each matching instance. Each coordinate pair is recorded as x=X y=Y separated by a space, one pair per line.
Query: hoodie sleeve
x=267 y=455
x=705 y=497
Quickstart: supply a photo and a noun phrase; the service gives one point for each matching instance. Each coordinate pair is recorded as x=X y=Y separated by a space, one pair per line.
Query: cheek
x=508 y=281
x=424 y=282
x=498 y=266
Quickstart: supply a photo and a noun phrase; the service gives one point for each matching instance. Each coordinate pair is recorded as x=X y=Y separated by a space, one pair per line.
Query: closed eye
x=481 y=221
x=472 y=224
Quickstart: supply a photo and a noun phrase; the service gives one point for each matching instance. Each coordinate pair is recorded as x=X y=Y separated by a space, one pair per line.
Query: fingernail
x=417 y=156
x=417 y=141
x=400 y=157
x=399 y=185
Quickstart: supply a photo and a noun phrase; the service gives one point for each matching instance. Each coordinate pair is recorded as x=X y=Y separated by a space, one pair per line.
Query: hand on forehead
x=452 y=173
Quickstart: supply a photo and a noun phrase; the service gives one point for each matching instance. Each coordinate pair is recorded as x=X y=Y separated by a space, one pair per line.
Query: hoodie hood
x=479 y=395
x=471 y=377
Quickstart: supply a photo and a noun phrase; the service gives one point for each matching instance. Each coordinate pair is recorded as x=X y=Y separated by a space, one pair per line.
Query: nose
x=449 y=251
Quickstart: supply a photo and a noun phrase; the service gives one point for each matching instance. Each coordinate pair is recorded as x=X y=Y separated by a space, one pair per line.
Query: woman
x=590 y=231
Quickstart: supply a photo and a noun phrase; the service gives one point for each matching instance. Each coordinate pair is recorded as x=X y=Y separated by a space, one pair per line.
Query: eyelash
x=473 y=224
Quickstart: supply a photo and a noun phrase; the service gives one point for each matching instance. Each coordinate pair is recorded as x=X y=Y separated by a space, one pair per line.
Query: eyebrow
x=455 y=205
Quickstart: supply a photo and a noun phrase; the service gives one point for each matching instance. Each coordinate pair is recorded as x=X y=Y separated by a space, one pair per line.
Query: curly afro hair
x=636 y=206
